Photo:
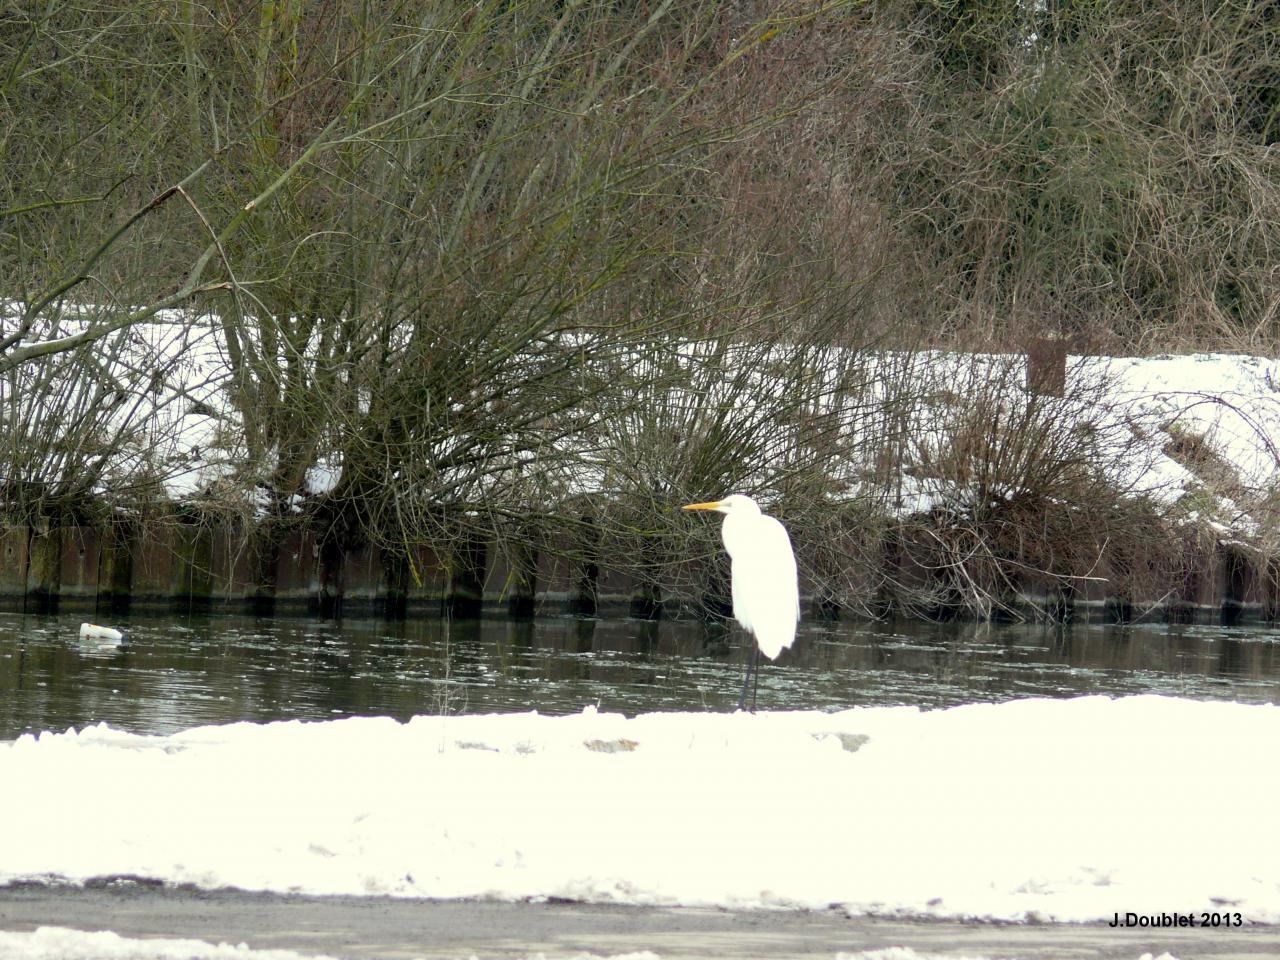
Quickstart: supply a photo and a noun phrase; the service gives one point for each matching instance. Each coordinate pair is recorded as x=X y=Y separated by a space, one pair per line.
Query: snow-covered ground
x=1056 y=809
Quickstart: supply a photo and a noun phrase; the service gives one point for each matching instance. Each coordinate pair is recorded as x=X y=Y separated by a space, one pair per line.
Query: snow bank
x=906 y=953
x=1063 y=809
x=63 y=943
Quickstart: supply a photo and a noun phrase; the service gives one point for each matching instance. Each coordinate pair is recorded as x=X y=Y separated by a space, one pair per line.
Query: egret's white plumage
x=766 y=595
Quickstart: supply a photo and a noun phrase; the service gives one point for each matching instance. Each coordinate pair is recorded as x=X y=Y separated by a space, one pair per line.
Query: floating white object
x=91 y=631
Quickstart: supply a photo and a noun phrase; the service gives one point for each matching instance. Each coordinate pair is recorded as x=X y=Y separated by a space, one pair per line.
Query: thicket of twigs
x=486 y=258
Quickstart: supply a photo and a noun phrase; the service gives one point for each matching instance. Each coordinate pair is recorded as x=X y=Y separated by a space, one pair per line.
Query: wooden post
x=115 y=569
x=15 y=541
x=464 y=591
x=332 y=582
x=1047 y=366
x=193 y=589
x=584 y=589
x=395 y=584
x=523 y=582
x=44 y=565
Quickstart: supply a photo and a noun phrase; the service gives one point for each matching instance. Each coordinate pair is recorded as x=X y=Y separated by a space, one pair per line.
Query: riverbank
x=1130 y=489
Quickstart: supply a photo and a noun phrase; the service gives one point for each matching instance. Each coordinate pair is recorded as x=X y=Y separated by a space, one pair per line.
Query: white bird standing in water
x=766 y=594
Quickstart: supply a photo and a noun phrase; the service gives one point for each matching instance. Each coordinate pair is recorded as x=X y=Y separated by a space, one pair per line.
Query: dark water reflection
x=178 y=673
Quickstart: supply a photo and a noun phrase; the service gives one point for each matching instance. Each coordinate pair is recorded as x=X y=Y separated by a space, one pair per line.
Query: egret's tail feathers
x=775 y=635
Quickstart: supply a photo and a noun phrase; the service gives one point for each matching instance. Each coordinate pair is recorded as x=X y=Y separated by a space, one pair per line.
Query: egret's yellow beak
x=713 y=505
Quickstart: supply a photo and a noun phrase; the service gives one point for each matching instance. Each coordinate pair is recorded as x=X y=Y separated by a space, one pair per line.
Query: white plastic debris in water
x=92 y=631
x=1074 y=809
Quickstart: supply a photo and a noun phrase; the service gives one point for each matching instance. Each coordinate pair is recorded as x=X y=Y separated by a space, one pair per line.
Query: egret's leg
x=746 y=676
x=755 y=686
x=753 y=664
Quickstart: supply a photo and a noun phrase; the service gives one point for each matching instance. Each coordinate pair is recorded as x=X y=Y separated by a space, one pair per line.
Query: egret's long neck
x=734 y=532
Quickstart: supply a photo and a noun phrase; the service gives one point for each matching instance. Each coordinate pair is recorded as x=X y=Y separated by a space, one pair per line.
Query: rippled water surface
x=177 y=673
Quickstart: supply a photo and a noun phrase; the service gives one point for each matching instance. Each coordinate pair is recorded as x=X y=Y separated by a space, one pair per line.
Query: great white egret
x=766 y=595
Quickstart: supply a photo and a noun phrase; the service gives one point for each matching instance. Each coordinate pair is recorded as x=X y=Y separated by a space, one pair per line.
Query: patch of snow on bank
x=153 y=395
x=322 y=478
x=1056 y=809
x=1230 y=401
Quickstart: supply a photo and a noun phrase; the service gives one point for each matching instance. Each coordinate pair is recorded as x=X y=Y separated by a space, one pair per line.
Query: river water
x=180 y=672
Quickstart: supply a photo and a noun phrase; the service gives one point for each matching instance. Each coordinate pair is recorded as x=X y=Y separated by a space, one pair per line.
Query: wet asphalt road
x=382 y=927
